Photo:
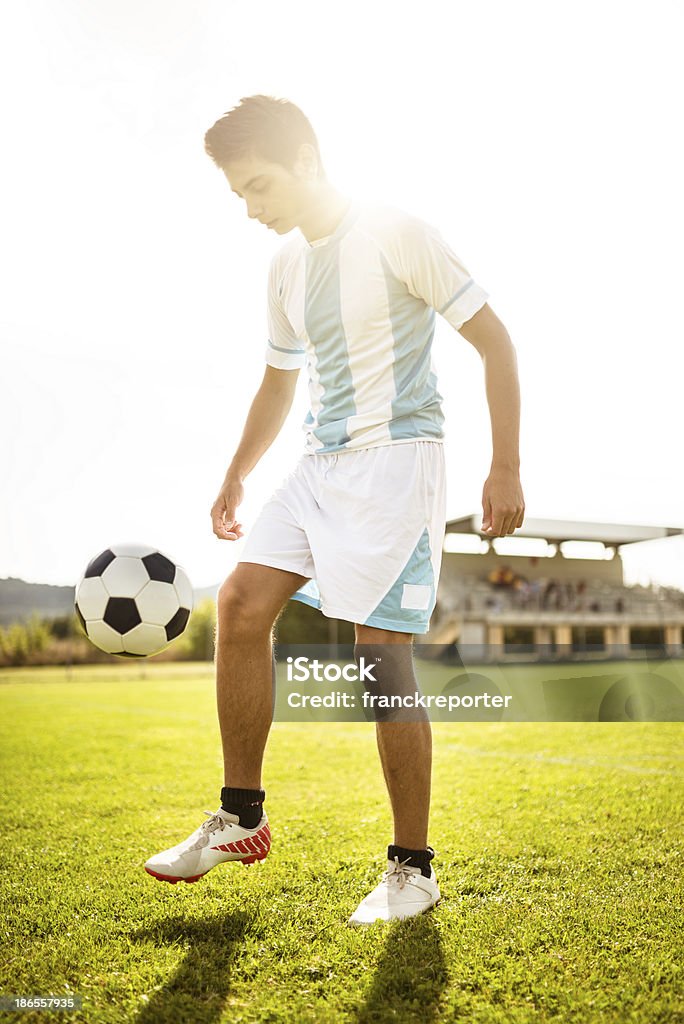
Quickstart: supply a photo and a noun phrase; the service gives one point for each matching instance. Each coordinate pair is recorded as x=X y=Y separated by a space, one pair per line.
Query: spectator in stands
x=551 y=591
x=502 y=576
x=521 y=589
x=581 y=595
x=534 y=591
x=568 y=595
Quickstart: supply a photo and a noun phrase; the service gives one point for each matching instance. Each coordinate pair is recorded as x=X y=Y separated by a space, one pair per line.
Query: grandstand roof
x=558 y=530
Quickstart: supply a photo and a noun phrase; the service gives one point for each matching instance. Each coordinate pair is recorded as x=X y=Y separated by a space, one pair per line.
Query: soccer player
x=357 y=528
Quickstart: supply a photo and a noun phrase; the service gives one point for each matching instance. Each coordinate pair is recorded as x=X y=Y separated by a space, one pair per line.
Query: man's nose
x=253 y=211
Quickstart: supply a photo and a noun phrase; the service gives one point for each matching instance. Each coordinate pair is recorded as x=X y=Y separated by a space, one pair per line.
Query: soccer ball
x=133 y=600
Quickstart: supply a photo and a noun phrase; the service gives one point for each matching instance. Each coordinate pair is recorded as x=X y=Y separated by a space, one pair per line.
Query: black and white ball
x=133 y=600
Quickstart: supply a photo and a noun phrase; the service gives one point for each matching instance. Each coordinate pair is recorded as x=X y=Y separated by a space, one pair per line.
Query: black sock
x=246 y=803
x=416 y=858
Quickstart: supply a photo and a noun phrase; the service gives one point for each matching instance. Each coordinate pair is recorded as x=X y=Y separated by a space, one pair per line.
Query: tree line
x=61 y=640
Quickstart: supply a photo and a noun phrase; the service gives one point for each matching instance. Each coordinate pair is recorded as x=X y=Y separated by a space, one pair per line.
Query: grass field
x=559 y=856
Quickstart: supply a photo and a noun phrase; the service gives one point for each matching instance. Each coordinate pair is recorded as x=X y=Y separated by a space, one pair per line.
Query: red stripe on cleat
x=251 y=860
x=173 y=878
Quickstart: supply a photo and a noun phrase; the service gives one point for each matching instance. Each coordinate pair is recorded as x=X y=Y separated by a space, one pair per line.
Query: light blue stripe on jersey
x=323 y=319
x=290 y=351
x=458 y=295
x=389 y=614
x=416 y=409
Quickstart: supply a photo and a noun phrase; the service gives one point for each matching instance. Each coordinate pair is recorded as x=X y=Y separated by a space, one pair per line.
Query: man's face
x=272 y=194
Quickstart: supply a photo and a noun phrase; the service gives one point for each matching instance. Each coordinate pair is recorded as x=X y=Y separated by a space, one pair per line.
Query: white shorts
x=366 y=527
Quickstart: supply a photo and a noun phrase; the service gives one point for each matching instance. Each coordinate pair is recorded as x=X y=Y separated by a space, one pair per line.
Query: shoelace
x=399 y=873
x=215 y=824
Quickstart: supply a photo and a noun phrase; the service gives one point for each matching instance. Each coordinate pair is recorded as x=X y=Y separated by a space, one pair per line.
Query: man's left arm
x=431 y=270
x=503 y=503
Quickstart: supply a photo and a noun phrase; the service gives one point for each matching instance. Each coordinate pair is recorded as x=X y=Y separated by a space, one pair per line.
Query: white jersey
x=358 y=310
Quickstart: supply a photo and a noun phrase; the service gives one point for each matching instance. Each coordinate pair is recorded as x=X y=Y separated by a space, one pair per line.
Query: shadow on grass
x=197 y=992
x=411 y=975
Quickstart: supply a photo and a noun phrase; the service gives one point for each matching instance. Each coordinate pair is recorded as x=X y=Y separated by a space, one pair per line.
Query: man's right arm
x=266 y=416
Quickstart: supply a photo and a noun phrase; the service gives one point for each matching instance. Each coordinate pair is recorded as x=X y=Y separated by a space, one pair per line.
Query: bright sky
x=540 y=138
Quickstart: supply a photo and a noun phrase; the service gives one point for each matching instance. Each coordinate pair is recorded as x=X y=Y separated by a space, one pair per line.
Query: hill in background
x=20 y=600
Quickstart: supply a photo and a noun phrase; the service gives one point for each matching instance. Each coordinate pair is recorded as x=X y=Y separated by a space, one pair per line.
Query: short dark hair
x=264 y=126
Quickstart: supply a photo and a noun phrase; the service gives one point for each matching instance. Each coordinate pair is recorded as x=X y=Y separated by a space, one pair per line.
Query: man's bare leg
x=248 y=604
x=405 y=750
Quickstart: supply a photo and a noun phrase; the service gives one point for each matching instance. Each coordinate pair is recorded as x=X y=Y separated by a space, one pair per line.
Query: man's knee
x=241 y=612
x=388 y=674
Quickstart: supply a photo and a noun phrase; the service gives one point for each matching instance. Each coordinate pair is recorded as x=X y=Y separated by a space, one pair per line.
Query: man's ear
x=306 y=164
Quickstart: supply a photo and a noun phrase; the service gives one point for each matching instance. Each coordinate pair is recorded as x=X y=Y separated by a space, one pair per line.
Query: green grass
x=559 y=856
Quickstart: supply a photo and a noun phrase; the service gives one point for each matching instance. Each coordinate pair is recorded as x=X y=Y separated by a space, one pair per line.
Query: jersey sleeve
x=284 y=351
x=433 y=272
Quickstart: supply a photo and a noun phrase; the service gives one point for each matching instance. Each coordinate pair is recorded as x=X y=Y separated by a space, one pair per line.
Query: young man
x=357 y=528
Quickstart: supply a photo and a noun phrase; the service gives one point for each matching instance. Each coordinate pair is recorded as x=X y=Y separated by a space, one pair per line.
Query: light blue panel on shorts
x=323 y=319
x=389 y=614
x=308 y=594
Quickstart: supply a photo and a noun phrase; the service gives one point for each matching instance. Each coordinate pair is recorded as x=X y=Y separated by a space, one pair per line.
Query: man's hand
x=224 y=523
x=503 y=503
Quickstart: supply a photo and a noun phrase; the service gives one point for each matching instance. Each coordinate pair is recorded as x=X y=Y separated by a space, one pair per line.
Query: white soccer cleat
x=403 y=892
x=219 y=839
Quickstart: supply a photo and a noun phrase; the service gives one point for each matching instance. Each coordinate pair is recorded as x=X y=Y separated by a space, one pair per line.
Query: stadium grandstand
x=566 y=601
